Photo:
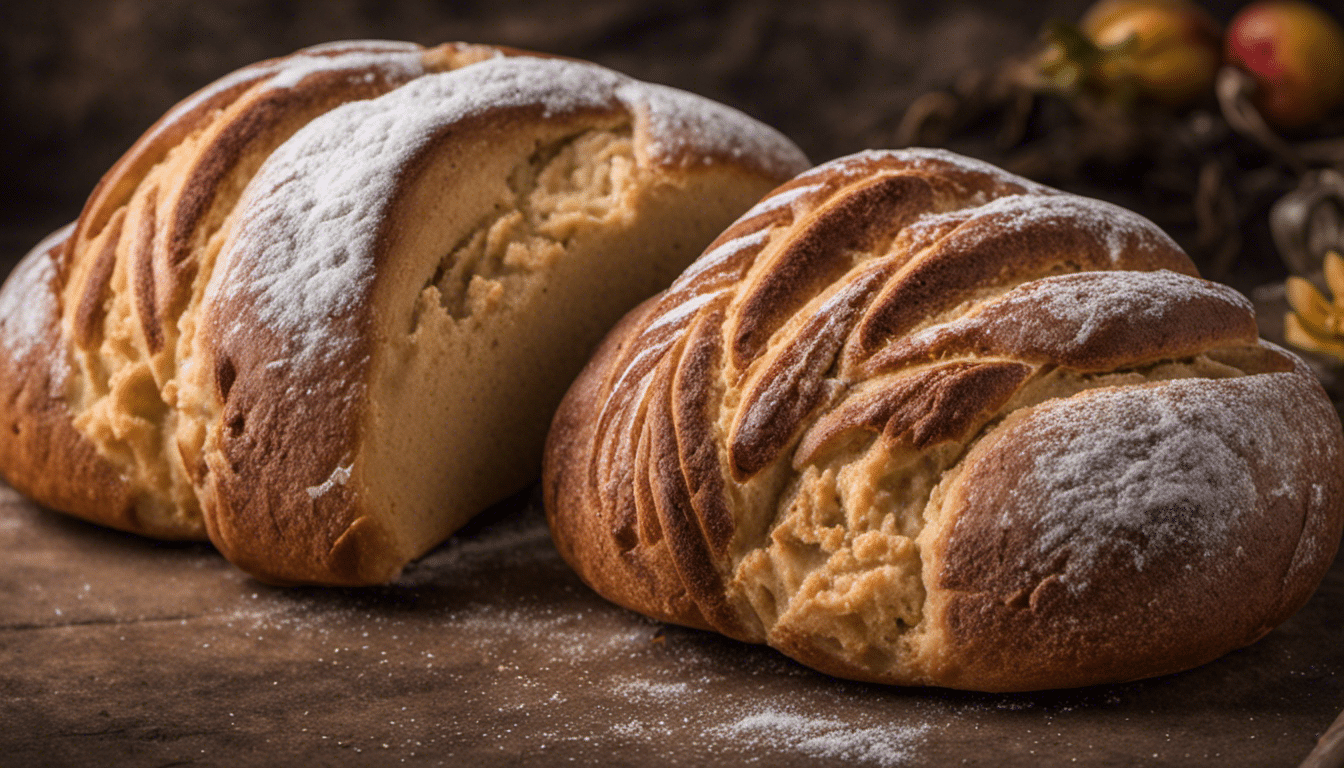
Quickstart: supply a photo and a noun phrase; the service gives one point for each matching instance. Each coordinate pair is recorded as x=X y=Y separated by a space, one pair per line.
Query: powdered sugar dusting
x=852 y=165
x=1088 y=304
x=720 y=254
x=29 y=307
x=1119 y=230
x=1102 y=299
x=299 y=67
x=781 y=200
x=636 y=369
x=682 y=125
x=1155 y=470
x=681 y=311
x=312 y=217
x=646 y=689
x=322 y=675
x=925 y=157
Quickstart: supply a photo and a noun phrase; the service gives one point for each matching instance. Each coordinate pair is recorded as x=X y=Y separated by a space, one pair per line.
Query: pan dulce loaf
x=322 y=312
x=915 y=420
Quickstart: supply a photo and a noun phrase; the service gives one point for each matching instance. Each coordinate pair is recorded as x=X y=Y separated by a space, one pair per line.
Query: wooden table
x=120 y=651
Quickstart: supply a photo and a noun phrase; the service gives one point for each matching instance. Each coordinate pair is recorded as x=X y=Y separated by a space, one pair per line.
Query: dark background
x=81 y=79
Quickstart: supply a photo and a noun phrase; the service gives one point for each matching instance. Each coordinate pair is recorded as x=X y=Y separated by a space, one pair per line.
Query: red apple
x=1166 y=50
x=1295 y=53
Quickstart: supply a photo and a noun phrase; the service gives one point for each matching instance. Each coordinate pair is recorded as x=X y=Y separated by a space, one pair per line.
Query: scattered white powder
x=681 y=123
x=922 y=158
x=299 y=67
x=1153 y=470
x=1094 y=301
x=856 y=164
x=645 y=689
x=1087 y=303
x=28 y=304
x=827 y=738
x=312 y=217
x=1119 y=230
x=461 y=657
x=781 y=199
x=682 y=311
x=565 y=636
x=720 y=254
x=634 y=368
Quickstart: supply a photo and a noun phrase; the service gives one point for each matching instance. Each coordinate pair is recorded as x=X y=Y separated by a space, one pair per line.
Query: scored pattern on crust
x=127 y=373
x=754 y=450
x=136 y=258
x=45 y=457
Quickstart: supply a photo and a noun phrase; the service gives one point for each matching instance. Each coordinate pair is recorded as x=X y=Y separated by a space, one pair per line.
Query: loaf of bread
x=915 y=420
x=323 y=310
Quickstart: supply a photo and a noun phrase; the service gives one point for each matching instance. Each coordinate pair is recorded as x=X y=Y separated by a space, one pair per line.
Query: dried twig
x=927 y=121
x=1234 y=89
x=1217 y=219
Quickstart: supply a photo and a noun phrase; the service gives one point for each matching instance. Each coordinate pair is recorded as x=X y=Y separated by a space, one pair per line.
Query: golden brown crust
x=126 y=272
x=43 y=454
x=267 y=425
x=201 y=108
x=625 y=539
x=1004 y=583
x=271 y=446
x=322 y=355
x=935 y=424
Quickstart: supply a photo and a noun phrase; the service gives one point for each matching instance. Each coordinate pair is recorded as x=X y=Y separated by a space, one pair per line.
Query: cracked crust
x=131 y=270
x=322 y=311
x=45 y=456
x=915 y=420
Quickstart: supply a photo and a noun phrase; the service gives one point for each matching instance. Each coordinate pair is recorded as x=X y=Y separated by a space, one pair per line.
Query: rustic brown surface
x=117 y=651
x=120 y=651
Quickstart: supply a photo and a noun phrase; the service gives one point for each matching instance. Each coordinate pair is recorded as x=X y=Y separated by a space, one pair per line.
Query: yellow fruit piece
x=1316 y=324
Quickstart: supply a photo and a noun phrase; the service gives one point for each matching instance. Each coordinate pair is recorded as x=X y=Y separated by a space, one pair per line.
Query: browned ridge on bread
x=322 y=311
x=915 y=420
x=117 y=281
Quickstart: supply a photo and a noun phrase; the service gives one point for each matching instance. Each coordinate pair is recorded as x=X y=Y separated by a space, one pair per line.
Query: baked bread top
x=913 y=419
x=136 y=260
x=362 y=221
